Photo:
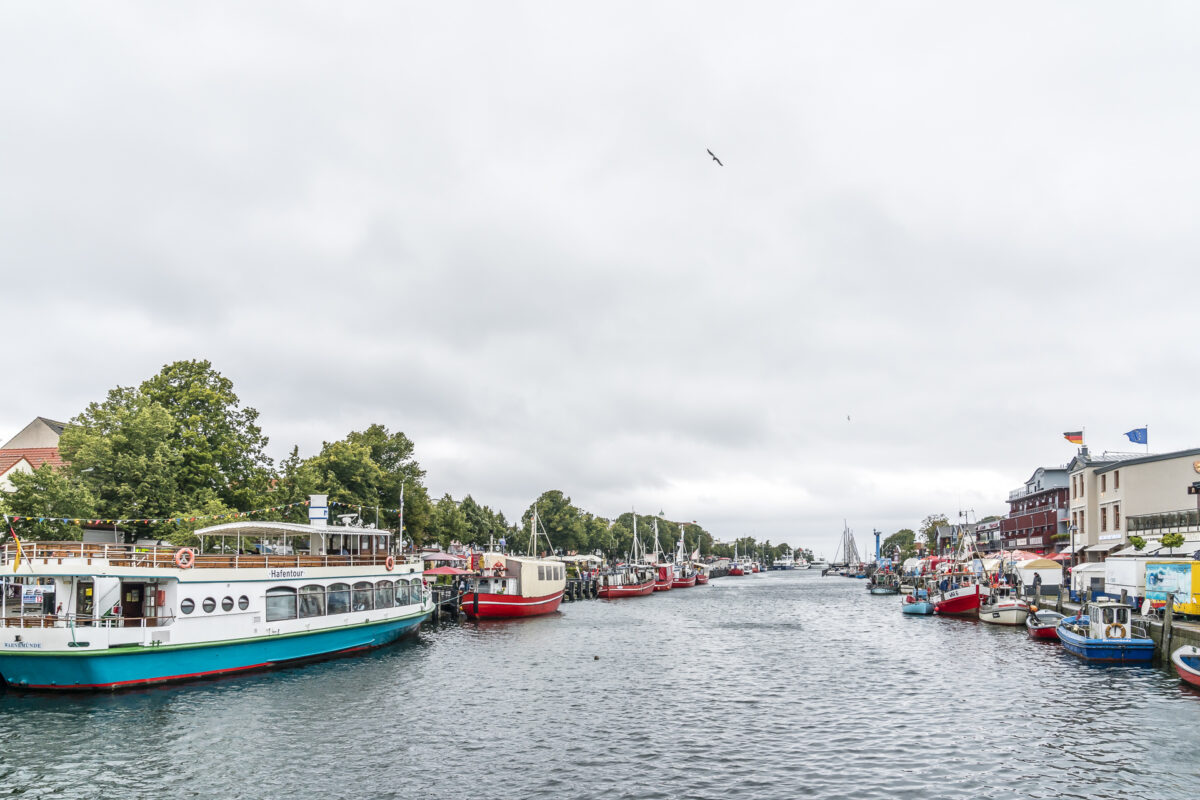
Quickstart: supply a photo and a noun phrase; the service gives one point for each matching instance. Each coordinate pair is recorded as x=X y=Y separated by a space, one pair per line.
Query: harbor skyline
x=935 y=241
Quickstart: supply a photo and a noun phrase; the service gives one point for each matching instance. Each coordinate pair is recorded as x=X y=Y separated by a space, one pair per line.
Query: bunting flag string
x=152 y=520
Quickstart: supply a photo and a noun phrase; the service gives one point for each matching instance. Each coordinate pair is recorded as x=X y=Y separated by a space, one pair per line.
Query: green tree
x=905 y=538
x=1138 y=542
x=1171 y=541
x=48 y=492
x=929 y=527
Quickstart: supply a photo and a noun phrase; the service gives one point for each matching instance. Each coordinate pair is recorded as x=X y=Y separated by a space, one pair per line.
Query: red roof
x=36 y=456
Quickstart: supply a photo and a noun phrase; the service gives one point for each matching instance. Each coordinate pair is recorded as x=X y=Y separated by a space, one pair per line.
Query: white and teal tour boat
x=254 y=595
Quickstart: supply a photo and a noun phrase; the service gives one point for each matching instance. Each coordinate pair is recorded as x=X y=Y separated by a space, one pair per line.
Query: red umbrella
x=448 y=571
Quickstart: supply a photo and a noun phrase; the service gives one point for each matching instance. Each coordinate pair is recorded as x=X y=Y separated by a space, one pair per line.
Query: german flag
x=1074 y=437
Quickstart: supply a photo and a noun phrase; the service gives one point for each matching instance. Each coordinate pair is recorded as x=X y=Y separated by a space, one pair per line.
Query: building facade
x=1152 y=490
x=1038 y=513
x=34 y=445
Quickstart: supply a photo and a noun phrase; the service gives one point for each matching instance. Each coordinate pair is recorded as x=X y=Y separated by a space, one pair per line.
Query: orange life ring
x=389 y=563
x=185 y=558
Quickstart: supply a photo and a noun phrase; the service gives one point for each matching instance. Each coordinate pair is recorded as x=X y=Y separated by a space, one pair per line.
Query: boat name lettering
x=286 y=573
x=23 y=645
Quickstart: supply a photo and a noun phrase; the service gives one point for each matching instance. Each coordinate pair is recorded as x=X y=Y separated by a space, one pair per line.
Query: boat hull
x=683 y=583
x=1004 y=614
x=633 y=590
x=883 y=590
x=919 y=607
x=1106 y=651
x=128 y=667
x=1044 y=627
x=478 y=605
x=736 y=571
x=1186 y=661
x=701 y=579
x=959 y=602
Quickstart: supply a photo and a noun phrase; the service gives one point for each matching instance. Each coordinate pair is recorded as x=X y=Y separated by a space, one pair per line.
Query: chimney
x=318 y=510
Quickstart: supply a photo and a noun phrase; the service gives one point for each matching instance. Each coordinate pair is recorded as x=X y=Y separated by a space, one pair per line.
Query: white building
x=34 y=445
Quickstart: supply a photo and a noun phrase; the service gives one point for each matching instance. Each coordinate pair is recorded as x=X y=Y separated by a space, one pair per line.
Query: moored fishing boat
x=703 y=572
x=882 y=583
x=958 y=595
x=516 y=586
x=1105 y=634
x=1186 y=660
x=1042 y=624
x=626 y=580
x=129 y=615
x=917 y=603
x=1001 y=605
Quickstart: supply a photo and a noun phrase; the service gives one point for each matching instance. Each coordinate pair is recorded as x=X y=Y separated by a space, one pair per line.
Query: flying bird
x=719 y=164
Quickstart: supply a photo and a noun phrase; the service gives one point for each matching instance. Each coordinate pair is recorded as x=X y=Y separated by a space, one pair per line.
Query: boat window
x=364 y=596
x=209 y=605
x=338 y=598
x=385 y=594
x=312 y=601
x=281 y=603
x=227 y=604
x=243 y=602
x=541 y=573
x=187 y=605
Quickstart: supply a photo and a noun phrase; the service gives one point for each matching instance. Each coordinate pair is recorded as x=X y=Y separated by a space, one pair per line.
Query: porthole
x=187 y=606
x=227 y=604
x=243 y=602
x=209 y=605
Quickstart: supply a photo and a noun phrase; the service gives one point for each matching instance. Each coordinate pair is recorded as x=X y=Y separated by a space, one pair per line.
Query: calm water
x=776 y=685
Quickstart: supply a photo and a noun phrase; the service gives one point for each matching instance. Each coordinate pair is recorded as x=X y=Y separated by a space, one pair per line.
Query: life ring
x=185 y=558
x=389 y=563
x=1119 y=628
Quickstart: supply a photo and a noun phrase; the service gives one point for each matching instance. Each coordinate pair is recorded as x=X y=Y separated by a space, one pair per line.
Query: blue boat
x=1106 y=634
x=121 y=615
x=917 y=603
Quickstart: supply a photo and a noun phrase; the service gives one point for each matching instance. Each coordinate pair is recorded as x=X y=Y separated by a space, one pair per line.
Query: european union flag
x=1137 y=435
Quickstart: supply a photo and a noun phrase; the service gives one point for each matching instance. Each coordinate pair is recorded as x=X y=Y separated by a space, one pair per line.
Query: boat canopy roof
x=252 y=528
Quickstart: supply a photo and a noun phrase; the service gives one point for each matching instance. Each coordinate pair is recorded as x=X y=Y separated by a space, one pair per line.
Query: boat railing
x=1139 y=629
x=68 y=620
x=127 y=555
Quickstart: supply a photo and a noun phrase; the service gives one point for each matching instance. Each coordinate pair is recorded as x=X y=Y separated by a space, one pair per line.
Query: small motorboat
x=884 y=583
x=1187 y=663
x=1105 y=634
x=1042 y=624
x=916 y=604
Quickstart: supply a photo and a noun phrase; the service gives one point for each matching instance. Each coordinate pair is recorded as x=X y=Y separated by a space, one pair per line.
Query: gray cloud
x=497 y=230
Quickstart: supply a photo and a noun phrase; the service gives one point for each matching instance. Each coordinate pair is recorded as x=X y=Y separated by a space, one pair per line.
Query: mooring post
x=1168 y=625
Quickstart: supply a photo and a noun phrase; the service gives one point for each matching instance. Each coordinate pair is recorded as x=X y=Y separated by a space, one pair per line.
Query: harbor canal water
x=782 y=684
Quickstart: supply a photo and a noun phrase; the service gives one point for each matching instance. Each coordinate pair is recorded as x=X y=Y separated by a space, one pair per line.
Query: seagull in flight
x=714 y=158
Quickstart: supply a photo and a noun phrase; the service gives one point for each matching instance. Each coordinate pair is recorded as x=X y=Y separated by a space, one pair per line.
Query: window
x=1103 y=484
x=1116 y=516
x=187 y=605
x=227 y=604
x=1103 y=519
x=1117 y=479
x=209 y=605
x=243 y=602
x=364 y=596
x=281 y=603
x=312 y=601
x=338 y=598
x=385 y=594
x=541 y=573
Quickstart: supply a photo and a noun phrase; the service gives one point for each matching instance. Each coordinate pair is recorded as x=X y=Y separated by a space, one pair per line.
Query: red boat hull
x=701 y=579
x=737 y=571
x=506 y=606
x=683 y=583
x=633 y=590
x=662 y=586
x=966 y=603
x=1043 y=633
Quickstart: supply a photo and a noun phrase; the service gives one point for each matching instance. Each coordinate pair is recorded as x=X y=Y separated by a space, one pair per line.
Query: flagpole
x=1147 y=427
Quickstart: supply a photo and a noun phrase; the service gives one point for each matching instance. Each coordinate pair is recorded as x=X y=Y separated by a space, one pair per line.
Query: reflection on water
x=774 y=685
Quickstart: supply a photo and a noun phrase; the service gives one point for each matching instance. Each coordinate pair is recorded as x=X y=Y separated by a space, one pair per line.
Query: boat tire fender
x=185 y=557
x=389 y=563
x=1118 y=627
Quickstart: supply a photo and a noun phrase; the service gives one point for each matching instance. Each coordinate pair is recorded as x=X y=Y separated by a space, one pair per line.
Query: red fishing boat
x=626 y=581
x=684 y=581
x=516 y=586
x=701 y=574
x=664 y=568
x=959 y=595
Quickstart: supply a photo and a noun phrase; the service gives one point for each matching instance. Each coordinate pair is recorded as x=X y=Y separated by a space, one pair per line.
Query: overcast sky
x=944 y=234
